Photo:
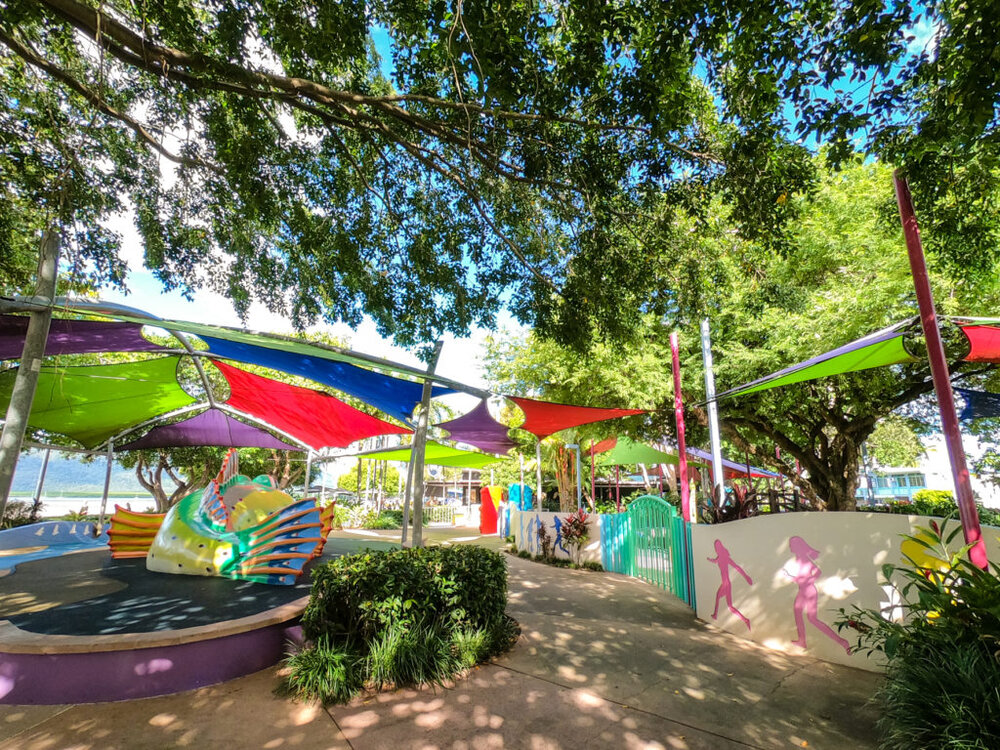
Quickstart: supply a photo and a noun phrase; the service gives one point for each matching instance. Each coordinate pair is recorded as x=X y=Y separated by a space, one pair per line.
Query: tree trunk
x=565 y=481
x=26 y=380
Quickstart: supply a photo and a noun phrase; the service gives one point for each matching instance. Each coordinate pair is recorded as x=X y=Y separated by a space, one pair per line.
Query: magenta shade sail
x=74 y=337
x=211 y=427
x=478 y=428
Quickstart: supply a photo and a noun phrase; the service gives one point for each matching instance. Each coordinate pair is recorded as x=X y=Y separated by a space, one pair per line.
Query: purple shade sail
x=732 y=467
x=74 y=337
x=478 y=428
x=211 y=427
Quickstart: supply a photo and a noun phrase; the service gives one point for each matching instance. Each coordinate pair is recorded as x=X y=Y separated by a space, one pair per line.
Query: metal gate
x=650 y=541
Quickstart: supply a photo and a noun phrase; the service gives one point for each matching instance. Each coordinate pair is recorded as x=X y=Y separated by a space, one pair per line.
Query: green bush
x=411 y=616
x=593 y=565
x=341 y=516
x=939 y=503
x=20 y=513
x=387 y=519
x=943 y=658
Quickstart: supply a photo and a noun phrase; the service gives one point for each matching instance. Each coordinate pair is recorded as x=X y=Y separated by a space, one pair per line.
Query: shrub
x=940 y=503
x=943 y=662
x=20 y=513
x=544 y=540
x=411 y=616
x=387 y=519
x=341 y=516
x=575 y=533
x=593 y=565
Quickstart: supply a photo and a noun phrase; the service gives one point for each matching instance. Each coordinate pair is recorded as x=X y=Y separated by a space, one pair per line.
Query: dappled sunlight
x=602 y=661
x=240 y=713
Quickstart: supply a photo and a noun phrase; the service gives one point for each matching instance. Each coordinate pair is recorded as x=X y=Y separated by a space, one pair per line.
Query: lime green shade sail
x=627 y=451
x=884 y=349
x=437 y=454
x=94 y=402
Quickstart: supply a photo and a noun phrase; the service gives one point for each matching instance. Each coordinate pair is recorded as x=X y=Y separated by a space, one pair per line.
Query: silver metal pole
x=107 y=485
x=406 y=496
x=41 y=477
x=538 y=473
x=305 y=482
x=718 y=478
x=419 y=443
x=322 y=484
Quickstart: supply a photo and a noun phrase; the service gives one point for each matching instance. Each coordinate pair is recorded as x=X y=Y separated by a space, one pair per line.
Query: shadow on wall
x=800 y=569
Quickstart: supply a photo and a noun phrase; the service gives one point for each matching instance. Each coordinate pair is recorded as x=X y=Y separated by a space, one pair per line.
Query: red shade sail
x=542 y=418
x=314 y=417
x=985 y=341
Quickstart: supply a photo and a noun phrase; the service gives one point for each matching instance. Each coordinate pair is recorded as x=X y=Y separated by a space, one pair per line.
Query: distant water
x=53 y=507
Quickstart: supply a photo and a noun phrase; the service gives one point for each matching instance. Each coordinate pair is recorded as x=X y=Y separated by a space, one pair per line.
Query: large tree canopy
x=843 y=274
x=426 y=162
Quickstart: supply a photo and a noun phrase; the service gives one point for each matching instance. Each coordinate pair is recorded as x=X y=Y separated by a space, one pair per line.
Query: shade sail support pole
x=939 y=371
x=305 y=482
x=26 y=381
x=406 y=497
x=419 y=445
x=718 y=477
x=682 y=465
x=41 y=478
x=107 y=486
x=538 y=474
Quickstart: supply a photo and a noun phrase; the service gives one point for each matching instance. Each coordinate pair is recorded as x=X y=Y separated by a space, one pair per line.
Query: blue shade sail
x=394 y=396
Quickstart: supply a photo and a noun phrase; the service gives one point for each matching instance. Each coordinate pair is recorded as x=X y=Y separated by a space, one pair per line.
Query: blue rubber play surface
x=46 y=539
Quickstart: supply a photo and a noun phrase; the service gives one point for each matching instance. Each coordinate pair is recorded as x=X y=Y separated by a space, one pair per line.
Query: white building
x=933 y=472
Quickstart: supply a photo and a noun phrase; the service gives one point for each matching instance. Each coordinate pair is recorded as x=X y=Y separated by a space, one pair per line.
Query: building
x=932 y=472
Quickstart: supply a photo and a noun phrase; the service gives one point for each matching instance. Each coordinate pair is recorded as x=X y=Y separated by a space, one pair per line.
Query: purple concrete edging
x=100 y=676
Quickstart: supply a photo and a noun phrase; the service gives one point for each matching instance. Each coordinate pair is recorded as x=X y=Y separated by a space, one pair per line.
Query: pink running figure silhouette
x=805 y=573
x=725 y=561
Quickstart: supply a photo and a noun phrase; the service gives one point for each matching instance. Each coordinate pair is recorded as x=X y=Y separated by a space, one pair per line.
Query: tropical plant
x=575 y=533
x=19 y=513
x=544 y=540
x=400 y=617
x=941 y=643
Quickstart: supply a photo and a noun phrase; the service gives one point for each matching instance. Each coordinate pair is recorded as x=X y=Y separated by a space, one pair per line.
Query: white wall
x=851 y=547
x=524 y=529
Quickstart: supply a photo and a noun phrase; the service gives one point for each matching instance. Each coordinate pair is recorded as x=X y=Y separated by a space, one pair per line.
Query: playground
x=602 y=659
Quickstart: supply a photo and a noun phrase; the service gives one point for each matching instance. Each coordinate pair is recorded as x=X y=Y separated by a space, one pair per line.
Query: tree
x=481 y=149
x=189 y=469
x=374 y=475
x=895 y=442
x=843 y=274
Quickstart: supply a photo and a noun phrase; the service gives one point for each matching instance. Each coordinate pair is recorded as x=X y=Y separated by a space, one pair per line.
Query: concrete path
x=603 y=662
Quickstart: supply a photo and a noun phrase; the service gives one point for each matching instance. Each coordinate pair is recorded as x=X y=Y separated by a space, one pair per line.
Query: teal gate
x=650 y=541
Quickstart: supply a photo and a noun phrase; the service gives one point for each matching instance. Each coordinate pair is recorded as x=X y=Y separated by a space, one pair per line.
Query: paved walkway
x=604 y=661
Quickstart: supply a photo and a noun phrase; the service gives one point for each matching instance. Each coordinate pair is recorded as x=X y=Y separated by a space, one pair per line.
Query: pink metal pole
x=682 y=464
x=618 y=489
x=593 y=491
x=939 y=371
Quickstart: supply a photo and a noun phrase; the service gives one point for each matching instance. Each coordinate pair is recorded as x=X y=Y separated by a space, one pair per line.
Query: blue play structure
x=47 y=539
x=518 y=499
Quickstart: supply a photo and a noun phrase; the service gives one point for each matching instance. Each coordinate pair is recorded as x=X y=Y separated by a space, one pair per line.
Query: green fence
x=650 y=541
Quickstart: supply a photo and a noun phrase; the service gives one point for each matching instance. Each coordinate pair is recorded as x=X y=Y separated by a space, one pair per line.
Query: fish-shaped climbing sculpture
x=235 y=528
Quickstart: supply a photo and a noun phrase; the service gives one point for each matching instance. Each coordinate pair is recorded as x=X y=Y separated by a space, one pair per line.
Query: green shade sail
x=628 y=451
x=879 y=349
x=437 y=454
x=92 y=403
